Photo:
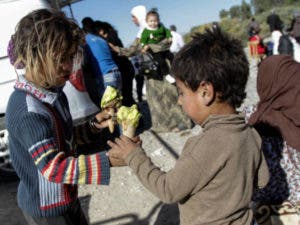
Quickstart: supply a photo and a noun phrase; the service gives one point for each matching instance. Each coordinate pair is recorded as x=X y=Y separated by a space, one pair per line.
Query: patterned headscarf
x=278 y=87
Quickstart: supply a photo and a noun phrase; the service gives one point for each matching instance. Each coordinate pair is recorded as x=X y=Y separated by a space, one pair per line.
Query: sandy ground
x=125 y=201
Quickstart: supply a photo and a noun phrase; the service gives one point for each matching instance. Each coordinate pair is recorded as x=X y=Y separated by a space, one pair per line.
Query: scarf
x=278 y=87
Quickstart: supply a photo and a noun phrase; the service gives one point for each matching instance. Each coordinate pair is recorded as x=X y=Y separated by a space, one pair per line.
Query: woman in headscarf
x=161 y=95
x=277 y=119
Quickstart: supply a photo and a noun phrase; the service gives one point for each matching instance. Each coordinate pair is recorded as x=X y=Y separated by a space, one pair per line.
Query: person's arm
x=55 y=164
x=262 y=175
x=134 y=48
x=171 y=186
x=144 y=37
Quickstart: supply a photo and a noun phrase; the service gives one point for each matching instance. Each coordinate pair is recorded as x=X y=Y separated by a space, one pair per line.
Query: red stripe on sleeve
x=61 y=171
x=72 y=171
x=41 y=149
x=90 y=170
x=98 y=160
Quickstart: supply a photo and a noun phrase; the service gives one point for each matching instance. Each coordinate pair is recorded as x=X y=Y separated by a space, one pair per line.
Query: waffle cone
x=128 y=131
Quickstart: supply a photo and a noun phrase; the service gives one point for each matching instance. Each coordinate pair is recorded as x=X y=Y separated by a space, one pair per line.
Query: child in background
x=154 y=33
x=214 y=177
x=42 y=141
x=261 y=49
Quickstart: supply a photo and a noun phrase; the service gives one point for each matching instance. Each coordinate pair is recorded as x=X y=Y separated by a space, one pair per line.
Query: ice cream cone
x=128 y=131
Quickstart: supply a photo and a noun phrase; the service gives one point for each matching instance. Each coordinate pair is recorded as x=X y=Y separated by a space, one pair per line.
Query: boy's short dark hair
x=214 y=57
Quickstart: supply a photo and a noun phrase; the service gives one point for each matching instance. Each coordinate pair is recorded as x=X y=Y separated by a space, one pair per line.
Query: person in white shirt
x=177 y=40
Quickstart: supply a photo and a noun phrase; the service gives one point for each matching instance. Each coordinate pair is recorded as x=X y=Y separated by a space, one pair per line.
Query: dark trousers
x=161 y=57
x=139 y=86
x=74 y=216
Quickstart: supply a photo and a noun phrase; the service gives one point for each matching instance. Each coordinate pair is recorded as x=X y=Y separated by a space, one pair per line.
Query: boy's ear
x=206 y=90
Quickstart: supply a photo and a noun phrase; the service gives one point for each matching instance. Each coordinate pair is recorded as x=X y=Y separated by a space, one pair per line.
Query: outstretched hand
x=102 y=119
x=123 y=146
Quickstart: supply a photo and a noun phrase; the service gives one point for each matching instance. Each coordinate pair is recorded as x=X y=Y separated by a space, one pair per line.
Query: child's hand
x=101 y=119
x=123 y=146
x=115 y=162
x=145 y=48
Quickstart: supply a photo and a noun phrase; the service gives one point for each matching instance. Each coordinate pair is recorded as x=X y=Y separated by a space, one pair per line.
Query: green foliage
x=235 y=11
x=265 y=5
x=238 y=27
x=223 y=14
x=245 y=10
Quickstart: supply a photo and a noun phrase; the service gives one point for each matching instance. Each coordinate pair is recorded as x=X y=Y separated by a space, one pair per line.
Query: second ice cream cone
x=129 y=131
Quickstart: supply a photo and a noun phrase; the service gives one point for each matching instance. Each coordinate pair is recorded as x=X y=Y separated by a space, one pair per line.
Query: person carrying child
x=218 y=170
x=154 y=33
x=42 y=140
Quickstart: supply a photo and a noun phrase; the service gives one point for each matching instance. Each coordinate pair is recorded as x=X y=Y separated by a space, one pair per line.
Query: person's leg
x=57 y=220
x=127 y=89
x=74 y=216
x=163 y=66
x=139 y=86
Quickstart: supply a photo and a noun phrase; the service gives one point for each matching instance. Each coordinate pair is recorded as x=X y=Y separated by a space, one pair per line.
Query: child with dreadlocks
x=42 y=141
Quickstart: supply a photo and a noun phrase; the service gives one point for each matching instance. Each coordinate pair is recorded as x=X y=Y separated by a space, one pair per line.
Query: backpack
x=285 y=45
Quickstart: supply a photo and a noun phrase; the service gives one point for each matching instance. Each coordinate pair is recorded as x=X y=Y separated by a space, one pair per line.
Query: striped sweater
x=48 y=175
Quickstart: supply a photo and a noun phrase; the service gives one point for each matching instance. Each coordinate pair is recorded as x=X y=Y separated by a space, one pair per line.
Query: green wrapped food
x=129 y=115
x=111 y=98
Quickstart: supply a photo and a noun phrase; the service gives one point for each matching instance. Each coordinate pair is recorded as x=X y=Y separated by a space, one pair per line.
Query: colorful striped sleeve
x=53 y=163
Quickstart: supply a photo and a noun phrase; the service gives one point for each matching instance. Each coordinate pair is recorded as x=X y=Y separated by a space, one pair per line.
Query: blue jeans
x=113 y=78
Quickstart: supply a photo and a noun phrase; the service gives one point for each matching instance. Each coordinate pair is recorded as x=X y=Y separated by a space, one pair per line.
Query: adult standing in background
x=253 y=27
x=108 y=32
x=277 y=120
x=101 y=52
x=177 y=40
x=161 y=95
x=138 y=14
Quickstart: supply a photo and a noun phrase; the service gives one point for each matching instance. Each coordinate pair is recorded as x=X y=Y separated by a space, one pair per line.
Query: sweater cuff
x=104 y=169
x=136 y=157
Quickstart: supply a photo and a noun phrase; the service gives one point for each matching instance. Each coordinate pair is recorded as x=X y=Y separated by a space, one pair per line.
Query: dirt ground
x=125 y=201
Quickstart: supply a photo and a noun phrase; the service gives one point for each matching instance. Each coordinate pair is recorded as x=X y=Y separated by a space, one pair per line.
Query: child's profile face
x=152 y=21
x=191 y=102
x=71 y=62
